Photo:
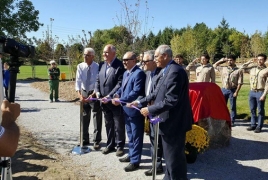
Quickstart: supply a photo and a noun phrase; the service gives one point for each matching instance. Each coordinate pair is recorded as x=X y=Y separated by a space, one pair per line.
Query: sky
x=69 y=17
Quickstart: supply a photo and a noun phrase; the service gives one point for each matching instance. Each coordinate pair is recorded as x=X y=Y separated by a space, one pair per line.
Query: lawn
x=41 y=72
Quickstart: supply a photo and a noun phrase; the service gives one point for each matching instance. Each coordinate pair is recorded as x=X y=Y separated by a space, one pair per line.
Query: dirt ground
x=34 y=161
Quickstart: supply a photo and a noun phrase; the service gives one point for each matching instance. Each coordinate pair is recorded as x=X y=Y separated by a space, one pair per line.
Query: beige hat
x=52 y=62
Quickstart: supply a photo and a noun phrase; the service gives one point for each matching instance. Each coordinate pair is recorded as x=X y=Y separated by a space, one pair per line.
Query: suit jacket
x=171 y=101
x=132 y=89
x=109 y=84
x=154 y=80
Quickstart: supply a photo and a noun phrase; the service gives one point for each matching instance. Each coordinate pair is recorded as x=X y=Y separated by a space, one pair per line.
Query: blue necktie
x=125 y=80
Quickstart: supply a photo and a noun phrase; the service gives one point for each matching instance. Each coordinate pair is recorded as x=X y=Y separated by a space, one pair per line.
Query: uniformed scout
x=259 y=88
x=204 y=72
x=232 y=80
x=54 y=73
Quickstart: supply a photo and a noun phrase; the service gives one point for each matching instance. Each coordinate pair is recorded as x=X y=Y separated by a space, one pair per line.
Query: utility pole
x=51 y=40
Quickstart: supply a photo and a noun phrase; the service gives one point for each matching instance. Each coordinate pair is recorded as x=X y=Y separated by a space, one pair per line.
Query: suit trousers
x=135 y=132
x=159 y=148
x=174 y=153
x=97 y=119
x=115 y=125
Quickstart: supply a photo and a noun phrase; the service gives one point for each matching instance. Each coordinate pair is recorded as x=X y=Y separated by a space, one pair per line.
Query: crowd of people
x=127 y=94
x=157 y=85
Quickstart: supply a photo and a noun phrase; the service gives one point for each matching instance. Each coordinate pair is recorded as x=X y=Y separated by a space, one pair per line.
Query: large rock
x=219 y=132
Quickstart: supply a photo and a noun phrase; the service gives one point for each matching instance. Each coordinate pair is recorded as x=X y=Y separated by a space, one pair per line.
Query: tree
x=257 y=43
x=17 y=18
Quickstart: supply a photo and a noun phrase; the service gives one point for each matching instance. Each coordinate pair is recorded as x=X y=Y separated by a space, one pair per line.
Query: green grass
x=40 y=72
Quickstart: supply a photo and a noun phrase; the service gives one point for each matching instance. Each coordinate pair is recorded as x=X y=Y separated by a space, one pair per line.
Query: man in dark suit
x=172 y=105
x=151 y=80
x=132 y=88
x=108 y=82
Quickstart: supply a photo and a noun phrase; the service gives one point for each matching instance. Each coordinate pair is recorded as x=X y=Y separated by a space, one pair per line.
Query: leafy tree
x=257 y=43
x=202 y=36
x=59 y=51
x=17 y=18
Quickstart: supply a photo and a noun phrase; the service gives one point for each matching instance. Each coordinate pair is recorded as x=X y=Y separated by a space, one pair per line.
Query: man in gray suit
x=172 y=105
x=151 y=80
x=108 y=82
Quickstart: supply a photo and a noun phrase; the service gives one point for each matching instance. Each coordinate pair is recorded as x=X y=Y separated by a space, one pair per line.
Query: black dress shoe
x=119 y=152
x=251 y=128
x=125 y=159
x=150 y=171
x=96 y=145
x=131 y=167
x=108 y=150
x=257 y=130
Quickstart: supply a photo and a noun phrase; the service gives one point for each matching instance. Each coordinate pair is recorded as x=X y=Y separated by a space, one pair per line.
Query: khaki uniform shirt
x=204 y=73
x=230 y=77
x=258 y=77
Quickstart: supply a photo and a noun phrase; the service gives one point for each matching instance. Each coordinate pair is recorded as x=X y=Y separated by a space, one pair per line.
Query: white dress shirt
x=81 y=76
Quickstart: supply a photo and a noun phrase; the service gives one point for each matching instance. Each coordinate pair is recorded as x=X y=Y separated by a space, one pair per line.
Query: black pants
x=97 y=118
x=159 y=148
x=115 y=125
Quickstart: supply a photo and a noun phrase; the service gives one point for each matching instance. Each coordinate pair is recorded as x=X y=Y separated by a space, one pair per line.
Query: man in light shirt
x=86 y=76
x=259 y=88
x=204 y=72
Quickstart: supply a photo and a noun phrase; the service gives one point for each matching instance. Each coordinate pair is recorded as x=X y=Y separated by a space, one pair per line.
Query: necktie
x=125 y=80
x=88 y=79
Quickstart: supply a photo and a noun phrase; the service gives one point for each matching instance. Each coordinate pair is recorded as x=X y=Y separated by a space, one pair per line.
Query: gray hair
x=91 y=50
x=111 y=47
x=165 y=49
x=150 y=53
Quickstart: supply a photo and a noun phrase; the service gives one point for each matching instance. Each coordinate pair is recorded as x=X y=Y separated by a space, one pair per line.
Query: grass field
x=26 y=72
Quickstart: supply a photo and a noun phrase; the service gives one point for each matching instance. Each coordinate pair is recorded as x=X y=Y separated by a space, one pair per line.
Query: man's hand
x=144 y=111
x=262 y=98
x=105 y=100
x=10 y=110
x=235 y=94
x=116 y=101
x=134 y=103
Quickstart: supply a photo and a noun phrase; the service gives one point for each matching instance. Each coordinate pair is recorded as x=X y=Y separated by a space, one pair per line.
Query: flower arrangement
x=197 y=140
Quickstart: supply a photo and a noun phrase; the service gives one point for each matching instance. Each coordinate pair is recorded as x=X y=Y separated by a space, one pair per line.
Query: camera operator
x=9 y=131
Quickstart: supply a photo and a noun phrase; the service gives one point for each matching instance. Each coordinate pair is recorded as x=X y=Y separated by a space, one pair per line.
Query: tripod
x=14 y=69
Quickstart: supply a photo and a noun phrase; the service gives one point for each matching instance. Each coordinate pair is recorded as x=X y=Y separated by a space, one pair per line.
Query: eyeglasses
x=87 y=55
x=145 y=62
x=105 y=52
x=127 y=60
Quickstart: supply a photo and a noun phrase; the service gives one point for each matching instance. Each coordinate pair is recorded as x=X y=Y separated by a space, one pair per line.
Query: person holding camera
x=54 y=73
x=9 y=131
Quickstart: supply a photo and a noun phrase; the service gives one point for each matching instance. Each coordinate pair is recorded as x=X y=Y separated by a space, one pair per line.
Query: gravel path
x=56 y=125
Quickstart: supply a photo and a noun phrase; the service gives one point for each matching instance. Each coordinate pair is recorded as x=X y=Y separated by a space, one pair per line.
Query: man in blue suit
x=132 y=88
x=171 y=103
x=109 y=80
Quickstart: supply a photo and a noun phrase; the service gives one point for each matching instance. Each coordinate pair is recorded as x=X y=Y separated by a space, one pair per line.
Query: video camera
x=14 y=48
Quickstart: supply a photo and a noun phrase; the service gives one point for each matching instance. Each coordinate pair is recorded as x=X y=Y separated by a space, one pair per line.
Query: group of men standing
x=121 y=85
x=126 y=95
x=232 y=80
